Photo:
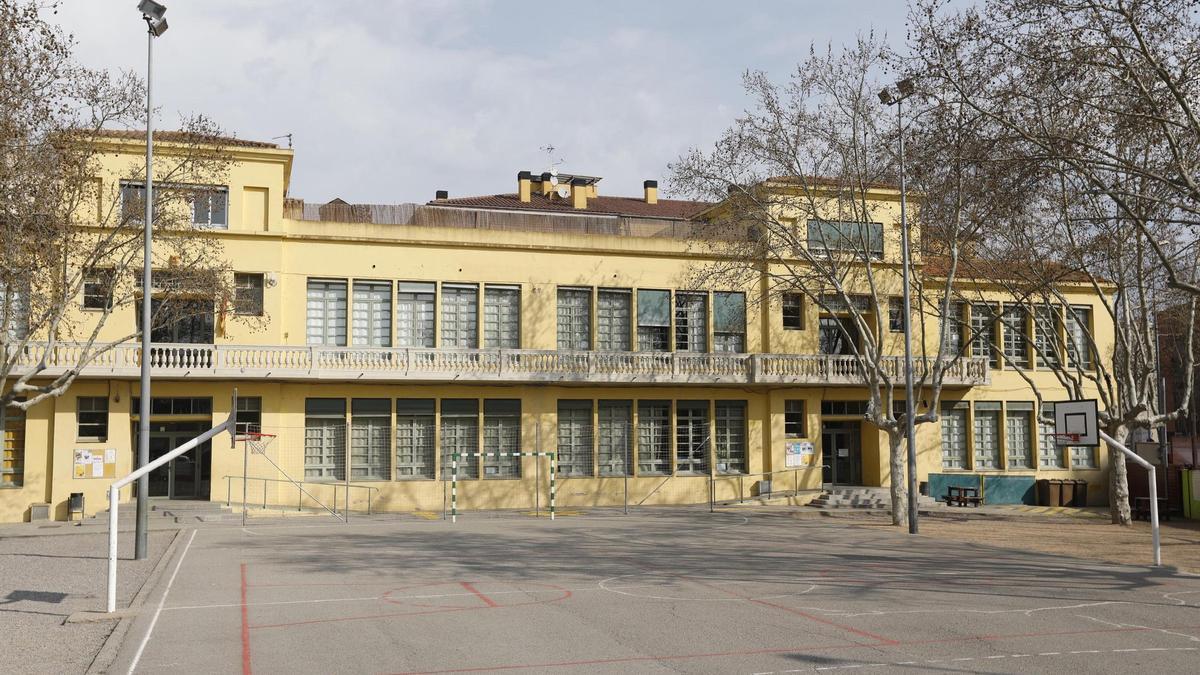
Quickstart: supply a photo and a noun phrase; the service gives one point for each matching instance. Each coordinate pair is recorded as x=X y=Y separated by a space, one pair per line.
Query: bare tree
x=65 y=239
x=806 y=181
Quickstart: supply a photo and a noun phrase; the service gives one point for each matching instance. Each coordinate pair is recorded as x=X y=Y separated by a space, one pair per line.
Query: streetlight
x=903 y=89
x=153 y=14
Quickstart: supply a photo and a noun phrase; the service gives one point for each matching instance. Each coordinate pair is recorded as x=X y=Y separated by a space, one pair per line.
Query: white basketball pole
x=1153 y=492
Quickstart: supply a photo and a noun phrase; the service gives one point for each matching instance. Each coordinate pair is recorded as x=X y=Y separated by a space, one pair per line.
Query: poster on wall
x=798 y=454
x=95 y=463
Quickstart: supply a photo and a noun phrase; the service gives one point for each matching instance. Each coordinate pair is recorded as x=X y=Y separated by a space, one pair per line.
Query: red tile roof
x=677 y=209
x=182 y=137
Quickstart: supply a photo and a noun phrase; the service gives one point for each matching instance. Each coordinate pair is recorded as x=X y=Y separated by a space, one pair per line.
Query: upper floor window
x=983 y=332
x=415 y=312
x=691 y=322
x=502 y=316
x=574 y=318
x=896 y=315
x=133 y=200
x=841 y=236
x=97 y=289
x=654 y=321
x=210 y=206
x=371 y=316
x=1046 y=326
x=1079 y=344
x=612 y=319
x=247 y=294
x=838 y=336
x=729 y=322
x=460 y=315
x=793 y=311
x=326 y=312
x=14 y=312
x=1016 y=348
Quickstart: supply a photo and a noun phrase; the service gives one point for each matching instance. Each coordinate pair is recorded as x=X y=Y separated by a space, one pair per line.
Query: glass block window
x=502 y=435
x=460 y=434
x=326 y=313
x=654 y=438
x=372 y=314
x=91 y=417
x=502 y=317
x=415 y=312
x=731 y=436
x=1079 y=347
x=612 y=320
x=415 y=429
x=1046 y=322
x=793 y=311
x=654 y=321
x=1082 y=457
x=12 y=464
x=987 y=435
x=954 y=436
x=692 y=439
x=954 y=330
x=1050 y=455
x=575 y=318
x=1016 y=350
x=370 y=438
x=460 y=315
x=729 y=322
x=575 y=438
x=1018 y=434
x=794 y=419
x=839 y=236
x=615 y=421
x=325 y=439
x=691 y=322
x=983 y=328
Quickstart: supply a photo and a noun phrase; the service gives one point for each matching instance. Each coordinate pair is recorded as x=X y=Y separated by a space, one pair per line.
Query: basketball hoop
x=1067 y=439
x=256 y=441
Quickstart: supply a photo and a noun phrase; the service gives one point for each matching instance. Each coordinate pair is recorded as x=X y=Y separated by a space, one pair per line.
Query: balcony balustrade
x=187 y=361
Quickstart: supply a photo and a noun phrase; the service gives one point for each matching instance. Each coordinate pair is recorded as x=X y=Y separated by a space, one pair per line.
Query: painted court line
x=245 y=627
x=486 y=600
x=964 y=659
x=161 y=601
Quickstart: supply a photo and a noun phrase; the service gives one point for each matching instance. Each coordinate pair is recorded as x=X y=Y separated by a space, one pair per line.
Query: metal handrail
x=742 y=476
x=229 y=482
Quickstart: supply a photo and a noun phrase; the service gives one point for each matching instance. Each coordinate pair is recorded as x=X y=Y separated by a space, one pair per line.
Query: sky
x=389 y=101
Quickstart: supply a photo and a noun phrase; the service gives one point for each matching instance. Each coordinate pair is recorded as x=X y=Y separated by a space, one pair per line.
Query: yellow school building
x=369 y=344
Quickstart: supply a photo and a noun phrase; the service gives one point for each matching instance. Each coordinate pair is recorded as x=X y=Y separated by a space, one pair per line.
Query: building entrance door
x=189 y=475
x=842 y=453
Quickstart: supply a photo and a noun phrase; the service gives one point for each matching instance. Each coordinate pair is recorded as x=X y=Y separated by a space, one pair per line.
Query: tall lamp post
x=895 y=95
x=156 y=25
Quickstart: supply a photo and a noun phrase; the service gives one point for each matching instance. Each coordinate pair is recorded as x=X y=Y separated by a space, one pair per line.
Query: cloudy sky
x=390 y=101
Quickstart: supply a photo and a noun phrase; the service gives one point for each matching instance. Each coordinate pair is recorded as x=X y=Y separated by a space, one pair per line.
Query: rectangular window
x=1019 y=438
x=829 y=408
x=249 y=414
x=248 y=294
x=836 y=303
x=14 y=312
x=12 y=467
x=502 y=436
x=896 y=315
x=327 y=313
x=575 y=438
x=1046 y=321
x=691 y=322
x=415 y=429
x=838 y=336
x=91 y=417
x=691 y=437
x=654 y=321
x=954 y=436
x=1082 y=457
x=460 y=315
x=575 y=319
x=954 y=330
x=1079 y=346
x=839 y=236
x=133 y=201
x=501 y=317
x=654 y=438
x=460 y=434
x=325 y=439
x=612 y=320
x=161 y=405
x=1016 y=351
x=793 y=311
x=1050 y=455
x=987 y=435
x=97 y=290
x=371 y=318
x=615 y=438
x=370 y=438
x=731 y=436
x=729 y=322
x=415 y=311
x=793 y=419
x=983 y=330
x=210 y=206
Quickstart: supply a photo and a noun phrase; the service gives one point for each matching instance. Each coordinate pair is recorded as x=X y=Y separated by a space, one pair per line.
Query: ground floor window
x=731 y=436
x=987 y=435
x=1083 y=457
x=12 y=469
x=1050 y=455
x=370 y=438
x=691 y=437
x=414 y=438
x=325 y=439
x=954 y=436
x=460 y=434
x=575 y=438
x=616 y=446
x=502 y=435
x=1017 y=425
x=654 y=438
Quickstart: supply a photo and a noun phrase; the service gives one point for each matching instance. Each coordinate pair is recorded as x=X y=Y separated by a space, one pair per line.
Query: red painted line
x=245 y=627
x=486 y=600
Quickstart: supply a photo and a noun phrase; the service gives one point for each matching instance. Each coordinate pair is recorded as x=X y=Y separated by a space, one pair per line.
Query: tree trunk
x=1118 y=481
x=899 y=484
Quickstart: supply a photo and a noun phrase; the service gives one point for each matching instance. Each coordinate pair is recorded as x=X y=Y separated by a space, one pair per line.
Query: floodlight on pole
x=153 y=13
x=902 y=90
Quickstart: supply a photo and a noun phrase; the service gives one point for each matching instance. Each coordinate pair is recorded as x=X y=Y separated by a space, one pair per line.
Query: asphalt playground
x=664 y=591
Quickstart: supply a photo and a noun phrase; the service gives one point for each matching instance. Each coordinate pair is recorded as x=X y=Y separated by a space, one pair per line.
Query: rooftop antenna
x=287 y=136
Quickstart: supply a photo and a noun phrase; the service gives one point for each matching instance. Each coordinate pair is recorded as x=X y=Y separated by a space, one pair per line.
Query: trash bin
x=1055 y=493
x=923 y=488
x=1043 y=492
x=1066 y=495
x=75 y=505
x=1080 y=499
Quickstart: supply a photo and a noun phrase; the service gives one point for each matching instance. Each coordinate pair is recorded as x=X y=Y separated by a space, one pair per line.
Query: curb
x=112 y=644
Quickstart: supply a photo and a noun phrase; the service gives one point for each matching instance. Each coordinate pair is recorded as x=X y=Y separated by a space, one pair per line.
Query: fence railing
x=514 y=365
x=371 y=491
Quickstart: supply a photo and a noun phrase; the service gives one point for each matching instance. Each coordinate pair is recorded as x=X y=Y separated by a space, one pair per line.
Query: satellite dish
x=553 y=179
x=564 y=191
x=553 y=172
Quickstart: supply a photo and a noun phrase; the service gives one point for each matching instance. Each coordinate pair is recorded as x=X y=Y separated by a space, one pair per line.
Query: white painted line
x=161 y=601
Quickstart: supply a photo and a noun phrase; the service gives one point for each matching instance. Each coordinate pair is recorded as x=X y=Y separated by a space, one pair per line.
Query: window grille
x=327 y=313
x=372 y=314
x=793 y=419
x=370 y=438
x=691 y=437
x=575 y=438
x=731 y=436
x=415 y=312
x=460 y=434
x=612 y=320
x=1019 y=440
x=987 y=436
x=92 y=417
x=415 y=438
x=983 y=328
x=616 y=446
x=460 y=316
x=954 y=437
x=691 y=322
x=502 y=433
x=574 y=319
x=325 y=439
x=502 y=317
x=654 y=437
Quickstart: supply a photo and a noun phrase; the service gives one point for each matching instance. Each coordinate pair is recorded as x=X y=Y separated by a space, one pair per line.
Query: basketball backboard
x=1076 y=423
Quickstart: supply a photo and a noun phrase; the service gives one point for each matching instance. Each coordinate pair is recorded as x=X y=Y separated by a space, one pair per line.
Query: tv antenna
x=549 y=149
x=287 y=136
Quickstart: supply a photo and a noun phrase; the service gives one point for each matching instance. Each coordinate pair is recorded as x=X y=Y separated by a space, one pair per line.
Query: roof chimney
x=547 y=186
x=651 y=189
x=524 y=186
x=579 y=193
x=441 y=195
